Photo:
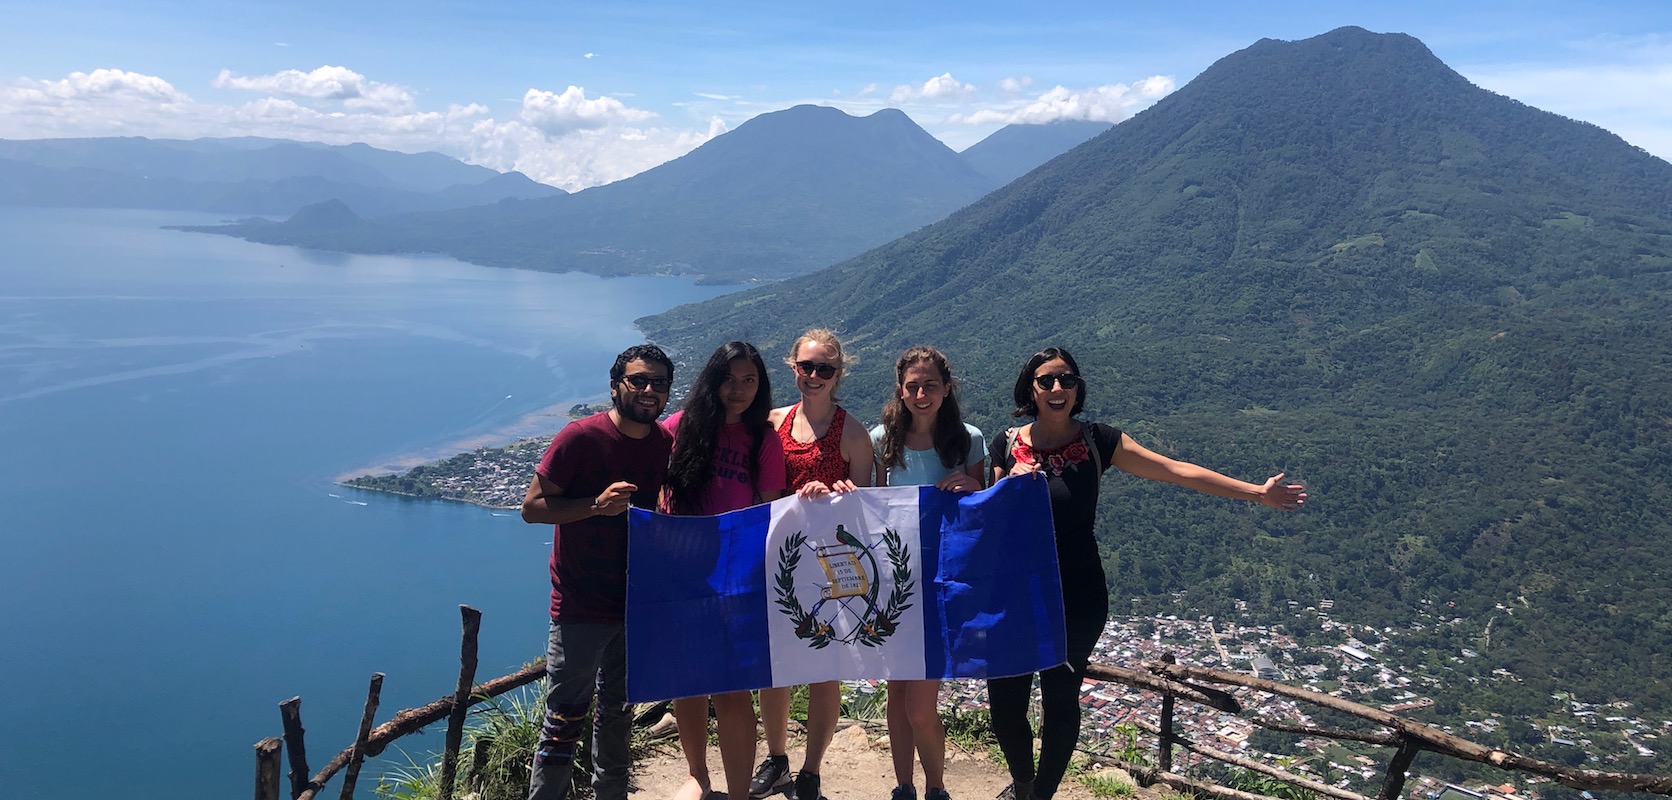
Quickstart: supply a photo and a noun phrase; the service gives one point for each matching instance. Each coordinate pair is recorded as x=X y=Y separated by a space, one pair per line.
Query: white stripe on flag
x=845 y=588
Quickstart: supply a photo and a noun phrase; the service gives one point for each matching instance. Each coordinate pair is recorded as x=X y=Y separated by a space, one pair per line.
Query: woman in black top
x=1072 y=455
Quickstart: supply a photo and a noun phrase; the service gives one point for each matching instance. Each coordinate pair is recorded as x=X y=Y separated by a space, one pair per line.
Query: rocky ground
x=856 y=767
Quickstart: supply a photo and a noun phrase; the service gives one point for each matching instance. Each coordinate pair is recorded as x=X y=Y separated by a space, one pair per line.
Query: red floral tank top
x=819 y=460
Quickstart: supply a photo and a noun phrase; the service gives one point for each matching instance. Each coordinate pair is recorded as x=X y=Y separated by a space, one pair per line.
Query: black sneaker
x=771 y=777
x=1017 y=791
x=904 y=793
x=936 y=794
x=807 y=786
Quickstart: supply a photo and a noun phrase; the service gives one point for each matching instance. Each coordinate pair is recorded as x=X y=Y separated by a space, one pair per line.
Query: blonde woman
x=824 y=452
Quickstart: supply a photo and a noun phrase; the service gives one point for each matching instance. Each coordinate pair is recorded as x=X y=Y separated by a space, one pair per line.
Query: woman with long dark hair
x=824 y=452
x=1072 y=456
x=725 y=457
x=922 y=441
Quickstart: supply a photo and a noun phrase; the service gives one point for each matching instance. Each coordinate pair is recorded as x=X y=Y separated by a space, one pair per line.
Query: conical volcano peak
x=1350 y=59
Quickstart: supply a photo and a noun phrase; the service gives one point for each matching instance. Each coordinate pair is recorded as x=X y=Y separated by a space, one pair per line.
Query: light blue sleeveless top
x=924 y=467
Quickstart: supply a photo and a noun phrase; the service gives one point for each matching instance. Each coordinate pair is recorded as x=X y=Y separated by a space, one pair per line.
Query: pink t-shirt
x=729 y=489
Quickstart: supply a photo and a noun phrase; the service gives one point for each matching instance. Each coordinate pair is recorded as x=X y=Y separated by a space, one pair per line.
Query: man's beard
x=629 y=409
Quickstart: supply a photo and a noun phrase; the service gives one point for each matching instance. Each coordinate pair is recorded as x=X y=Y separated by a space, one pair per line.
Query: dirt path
x=856 y=767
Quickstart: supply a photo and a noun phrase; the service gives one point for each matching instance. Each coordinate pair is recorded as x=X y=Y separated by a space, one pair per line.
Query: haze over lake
x=173 y=410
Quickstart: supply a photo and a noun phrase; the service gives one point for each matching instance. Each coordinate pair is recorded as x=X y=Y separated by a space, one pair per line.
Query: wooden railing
x=1408 y=738
x=1170 y=680
x=373 y=741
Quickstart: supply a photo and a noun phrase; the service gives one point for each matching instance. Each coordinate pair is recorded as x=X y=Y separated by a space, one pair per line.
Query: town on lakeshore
x=1604 y=736
x=1312 y=649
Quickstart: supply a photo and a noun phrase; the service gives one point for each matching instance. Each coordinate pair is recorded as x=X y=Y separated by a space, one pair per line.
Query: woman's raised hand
x=1282 y=496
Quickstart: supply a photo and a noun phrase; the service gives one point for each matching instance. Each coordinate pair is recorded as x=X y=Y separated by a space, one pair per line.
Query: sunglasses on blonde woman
x=809 y=369
x=1049 y=382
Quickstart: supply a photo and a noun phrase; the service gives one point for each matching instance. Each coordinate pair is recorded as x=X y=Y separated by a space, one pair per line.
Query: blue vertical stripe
x=990 y=567
x=697 y=603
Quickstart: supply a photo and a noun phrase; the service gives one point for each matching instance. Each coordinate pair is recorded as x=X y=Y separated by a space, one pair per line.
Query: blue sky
x=578 y=94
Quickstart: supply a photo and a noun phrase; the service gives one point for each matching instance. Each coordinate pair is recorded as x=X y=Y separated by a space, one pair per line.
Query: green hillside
x=1448 y=312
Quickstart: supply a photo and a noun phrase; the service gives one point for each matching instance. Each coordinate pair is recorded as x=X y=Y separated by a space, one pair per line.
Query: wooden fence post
x=461 y=700
x=1394 y=782
x=291 y=711
x=358 y=755
x=1164 y=742
x=267 y=768
x=478 y=763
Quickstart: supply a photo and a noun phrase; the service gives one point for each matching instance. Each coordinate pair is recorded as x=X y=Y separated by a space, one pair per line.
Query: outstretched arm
x=1136 y=459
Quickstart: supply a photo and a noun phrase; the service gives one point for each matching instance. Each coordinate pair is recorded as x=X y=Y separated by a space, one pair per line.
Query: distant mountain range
x=245 y=176
x=1450 y=313
x=1015 y=150
x=784 y=193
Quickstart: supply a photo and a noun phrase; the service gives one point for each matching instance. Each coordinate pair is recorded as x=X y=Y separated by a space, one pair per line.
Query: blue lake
x=177 y=560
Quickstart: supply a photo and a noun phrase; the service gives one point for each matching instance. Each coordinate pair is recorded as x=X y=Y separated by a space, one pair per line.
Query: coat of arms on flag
x=849 y=607
x=895 y=582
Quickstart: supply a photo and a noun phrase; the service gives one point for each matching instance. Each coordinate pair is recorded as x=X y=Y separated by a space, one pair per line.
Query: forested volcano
x=787 y=192
x=1448 y=312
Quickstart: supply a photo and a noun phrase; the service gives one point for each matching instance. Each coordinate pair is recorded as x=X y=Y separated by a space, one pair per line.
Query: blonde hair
x=826 y=337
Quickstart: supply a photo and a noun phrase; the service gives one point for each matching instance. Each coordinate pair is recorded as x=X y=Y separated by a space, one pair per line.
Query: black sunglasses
x=640 y=381
x=809 y=369
x=1048 y=382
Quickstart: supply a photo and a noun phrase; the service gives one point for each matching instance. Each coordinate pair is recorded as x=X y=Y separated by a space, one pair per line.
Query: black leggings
x=1086 y=608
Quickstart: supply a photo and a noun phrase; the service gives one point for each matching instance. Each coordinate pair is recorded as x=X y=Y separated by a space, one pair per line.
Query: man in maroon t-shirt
x=594 y=469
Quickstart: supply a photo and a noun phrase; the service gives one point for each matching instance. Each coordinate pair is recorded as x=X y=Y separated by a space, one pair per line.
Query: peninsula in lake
x=245 y=175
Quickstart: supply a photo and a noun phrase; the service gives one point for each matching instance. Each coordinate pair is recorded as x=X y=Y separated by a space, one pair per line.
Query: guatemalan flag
x=905 y=582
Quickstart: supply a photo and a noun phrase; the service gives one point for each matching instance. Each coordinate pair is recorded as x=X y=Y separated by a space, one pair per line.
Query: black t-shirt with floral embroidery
x=1074 y=476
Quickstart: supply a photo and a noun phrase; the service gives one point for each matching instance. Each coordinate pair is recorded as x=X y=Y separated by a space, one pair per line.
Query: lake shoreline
x=474 y=475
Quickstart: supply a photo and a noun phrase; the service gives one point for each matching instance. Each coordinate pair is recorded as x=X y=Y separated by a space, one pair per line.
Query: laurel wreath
x=807 y=626
x=887 y=619
x=883 y=622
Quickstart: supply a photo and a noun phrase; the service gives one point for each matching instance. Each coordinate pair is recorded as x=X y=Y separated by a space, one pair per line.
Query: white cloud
x=325 y=83
x=566 y=139
x=582 y=158
x=561 y=114
x=1014 y=86
x=940 y=87
x=109 y=84
x=1110 y=103
x=589 y=55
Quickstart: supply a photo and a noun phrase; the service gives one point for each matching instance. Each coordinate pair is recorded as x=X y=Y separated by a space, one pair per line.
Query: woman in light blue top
x=923 y=441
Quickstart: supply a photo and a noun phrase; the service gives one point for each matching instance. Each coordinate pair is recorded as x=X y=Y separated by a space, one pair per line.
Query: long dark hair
x=952 y=441
x=692 y=465
x=1025 y=405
